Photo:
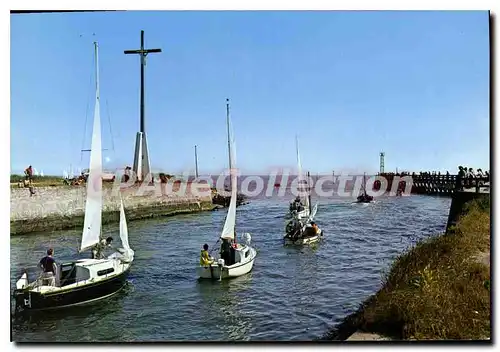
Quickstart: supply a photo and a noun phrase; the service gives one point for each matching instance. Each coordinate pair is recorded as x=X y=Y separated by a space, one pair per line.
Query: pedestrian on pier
x=470 y=177
x=460 y=177
x=28 y=172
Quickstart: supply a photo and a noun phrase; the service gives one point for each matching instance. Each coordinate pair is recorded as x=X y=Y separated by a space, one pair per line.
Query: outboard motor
x=220 y=263
x=247 y=238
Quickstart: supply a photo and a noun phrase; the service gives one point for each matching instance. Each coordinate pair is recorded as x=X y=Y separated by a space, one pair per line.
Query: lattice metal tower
x=382 y=155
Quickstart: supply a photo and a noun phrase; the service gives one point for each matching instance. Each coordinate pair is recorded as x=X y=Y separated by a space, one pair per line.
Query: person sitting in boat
x=227 y=251
x=98 y=249
x=315 y=227
x=300 y=207
x=49 y=268
x=205 y=258
x=293 y=229
x=294 y=205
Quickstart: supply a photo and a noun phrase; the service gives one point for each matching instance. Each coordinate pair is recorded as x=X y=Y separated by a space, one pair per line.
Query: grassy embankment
x=38 y=181
x=439 y=289
x=52 y=181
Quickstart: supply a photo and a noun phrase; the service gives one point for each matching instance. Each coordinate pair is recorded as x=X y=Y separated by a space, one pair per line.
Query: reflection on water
x=293 y=293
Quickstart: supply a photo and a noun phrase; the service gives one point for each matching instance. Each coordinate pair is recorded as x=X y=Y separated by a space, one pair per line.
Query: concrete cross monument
x=142 y=165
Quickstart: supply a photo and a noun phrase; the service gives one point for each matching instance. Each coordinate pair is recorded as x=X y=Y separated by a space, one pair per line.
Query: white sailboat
x=300 y=208
x=85 y=280
x=235 y=259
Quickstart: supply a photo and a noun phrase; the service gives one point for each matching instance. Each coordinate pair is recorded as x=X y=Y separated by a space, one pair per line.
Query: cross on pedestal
x=141 y=157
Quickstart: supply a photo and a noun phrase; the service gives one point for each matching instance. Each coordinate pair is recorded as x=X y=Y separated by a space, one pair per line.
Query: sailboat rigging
x=85 y=280
x=235 y=259
x=301 y=206
x=301 y=229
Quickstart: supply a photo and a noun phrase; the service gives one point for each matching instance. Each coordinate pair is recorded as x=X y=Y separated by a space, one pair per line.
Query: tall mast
x=228 y=135
x=309 y=193
x=229 y=143
x=195 y=162
x=364 y=183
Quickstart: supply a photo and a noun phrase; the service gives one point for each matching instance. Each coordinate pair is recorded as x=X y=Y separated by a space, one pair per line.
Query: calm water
x=291 y=294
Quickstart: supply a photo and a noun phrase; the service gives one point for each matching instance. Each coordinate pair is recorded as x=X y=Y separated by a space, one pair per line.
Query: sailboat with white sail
x=235 y=259
x=86 y=280
x=300 y=208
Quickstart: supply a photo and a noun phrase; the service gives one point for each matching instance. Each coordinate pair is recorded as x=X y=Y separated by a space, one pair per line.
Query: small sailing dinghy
x=300 y=231
x=235 y=259
x=300 y=208
x=303 y=231
x=364 y=197
x=86 y=280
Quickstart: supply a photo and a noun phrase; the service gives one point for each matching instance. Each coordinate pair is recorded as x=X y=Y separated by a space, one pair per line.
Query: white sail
x=313 y=213
x=304 y=197
x=124 y=229
x=93 y=206
x=229 y=225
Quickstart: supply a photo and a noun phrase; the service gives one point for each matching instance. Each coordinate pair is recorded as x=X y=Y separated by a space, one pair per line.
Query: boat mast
x=364 y=183
x=195 y=162
x=229 y=143
x=230 y=163
x=309 y=186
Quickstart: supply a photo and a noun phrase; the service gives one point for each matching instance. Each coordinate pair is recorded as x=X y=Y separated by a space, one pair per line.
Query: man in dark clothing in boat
x=293 y=229
x=227 y=251
x=49 y=268
x=98 y=249
x=297 y=205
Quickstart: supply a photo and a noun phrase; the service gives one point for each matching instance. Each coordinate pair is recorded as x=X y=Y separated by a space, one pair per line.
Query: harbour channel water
x=293 y=293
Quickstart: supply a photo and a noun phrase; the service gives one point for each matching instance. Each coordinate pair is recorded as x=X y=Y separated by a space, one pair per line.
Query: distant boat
x=364 y=197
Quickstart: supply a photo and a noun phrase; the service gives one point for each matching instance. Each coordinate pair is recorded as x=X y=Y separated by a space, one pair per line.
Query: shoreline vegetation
x=38 y=181
x=437 y=290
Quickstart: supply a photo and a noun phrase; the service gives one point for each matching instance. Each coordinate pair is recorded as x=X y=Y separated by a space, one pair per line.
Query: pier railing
x=446 y=184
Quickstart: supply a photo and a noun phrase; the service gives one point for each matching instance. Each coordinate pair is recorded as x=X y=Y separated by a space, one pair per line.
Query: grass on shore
x=436 y=290
x=38 y=180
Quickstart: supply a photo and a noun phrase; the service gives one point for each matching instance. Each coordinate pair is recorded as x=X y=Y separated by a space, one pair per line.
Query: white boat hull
x=216 y=271
x=304 y=240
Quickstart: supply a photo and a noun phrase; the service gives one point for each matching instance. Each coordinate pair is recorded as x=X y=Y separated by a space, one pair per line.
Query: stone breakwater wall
x=58 y=208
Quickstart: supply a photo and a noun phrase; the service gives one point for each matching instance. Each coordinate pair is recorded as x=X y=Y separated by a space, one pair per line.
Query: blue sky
x=351 y=84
